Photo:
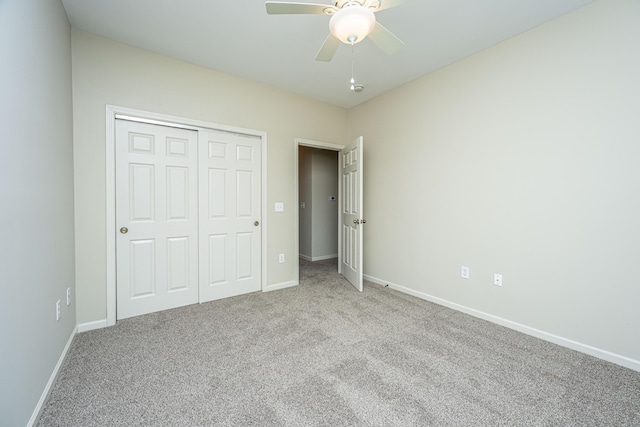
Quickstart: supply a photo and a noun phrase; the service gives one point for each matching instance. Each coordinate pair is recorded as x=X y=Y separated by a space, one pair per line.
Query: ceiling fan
x=351 y=22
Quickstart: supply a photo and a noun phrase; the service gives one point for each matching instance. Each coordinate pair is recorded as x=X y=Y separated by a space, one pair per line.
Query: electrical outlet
x=68 y=296
x=464 y=272
x=281 y=258
x=58 y=310
x=279 y=207
x=497 y=279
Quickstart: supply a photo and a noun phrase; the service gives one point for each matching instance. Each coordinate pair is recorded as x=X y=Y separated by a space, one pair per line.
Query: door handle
x=256 y=223
x=124 y=230
x=359 y=221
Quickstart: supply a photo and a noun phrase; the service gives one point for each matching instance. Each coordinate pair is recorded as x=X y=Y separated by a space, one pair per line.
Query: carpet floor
x=323 y=354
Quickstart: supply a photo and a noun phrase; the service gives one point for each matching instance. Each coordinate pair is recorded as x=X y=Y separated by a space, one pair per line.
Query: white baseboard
x=52 y=378
x=318 y=258
x=282 y=285
x=90 y=326
x=324 y=257
x=565 y=342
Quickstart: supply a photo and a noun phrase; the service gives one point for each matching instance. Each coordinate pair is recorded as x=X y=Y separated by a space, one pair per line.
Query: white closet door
x=156 y=217
x=230 y=217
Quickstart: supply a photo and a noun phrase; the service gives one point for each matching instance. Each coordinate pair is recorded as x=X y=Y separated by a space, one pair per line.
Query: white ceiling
x=238 y=37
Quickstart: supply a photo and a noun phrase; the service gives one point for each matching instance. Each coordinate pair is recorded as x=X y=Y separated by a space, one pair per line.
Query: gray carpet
x=323 y=354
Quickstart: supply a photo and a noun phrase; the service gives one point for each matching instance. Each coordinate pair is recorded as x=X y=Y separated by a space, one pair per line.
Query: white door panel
x=351 y=215
x=230 y=229
x=156 y=201
x=143 y=271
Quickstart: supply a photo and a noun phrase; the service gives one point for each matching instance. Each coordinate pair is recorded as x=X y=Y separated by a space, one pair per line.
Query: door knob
x=256 y=223
x=356 y=221
x=124 y=230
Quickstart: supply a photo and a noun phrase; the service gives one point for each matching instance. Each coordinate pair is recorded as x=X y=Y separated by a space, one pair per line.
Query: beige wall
x=521 y=160
x=36 y=201
x=106 y=72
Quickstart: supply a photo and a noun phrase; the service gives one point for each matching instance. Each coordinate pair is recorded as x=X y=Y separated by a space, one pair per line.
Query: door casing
x=156 y=118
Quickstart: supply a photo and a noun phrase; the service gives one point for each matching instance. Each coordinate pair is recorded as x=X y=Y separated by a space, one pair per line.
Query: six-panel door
x=351 y=216
x=157 y=218
x=230 y=237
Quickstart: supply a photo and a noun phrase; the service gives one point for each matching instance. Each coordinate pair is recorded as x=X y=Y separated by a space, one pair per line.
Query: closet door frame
x=155 y=118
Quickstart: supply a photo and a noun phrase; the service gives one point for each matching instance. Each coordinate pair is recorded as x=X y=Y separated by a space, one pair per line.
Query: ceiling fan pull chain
x=353 y=54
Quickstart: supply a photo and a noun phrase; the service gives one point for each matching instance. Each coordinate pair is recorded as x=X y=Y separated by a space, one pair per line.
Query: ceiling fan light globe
x=352 y=24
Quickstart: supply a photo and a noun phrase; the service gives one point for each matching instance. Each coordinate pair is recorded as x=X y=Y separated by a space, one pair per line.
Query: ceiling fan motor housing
x=372 y=4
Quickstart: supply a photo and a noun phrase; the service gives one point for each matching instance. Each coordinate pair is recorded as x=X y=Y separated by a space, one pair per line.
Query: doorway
x=318 y=208
x=318 y=205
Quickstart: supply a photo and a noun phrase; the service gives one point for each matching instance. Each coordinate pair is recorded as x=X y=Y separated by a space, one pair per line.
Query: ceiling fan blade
x=328 y=49
x=279 y=8
x=385 y=39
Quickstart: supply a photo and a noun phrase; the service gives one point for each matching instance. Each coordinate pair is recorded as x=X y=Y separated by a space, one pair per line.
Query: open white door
x=351 y=217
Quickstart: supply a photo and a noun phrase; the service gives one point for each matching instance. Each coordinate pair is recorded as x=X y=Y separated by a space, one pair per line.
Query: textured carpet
x=324 y=354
